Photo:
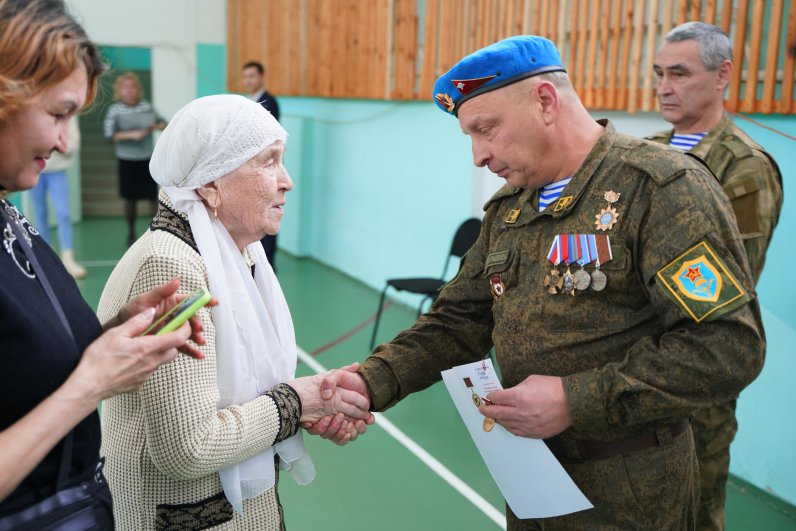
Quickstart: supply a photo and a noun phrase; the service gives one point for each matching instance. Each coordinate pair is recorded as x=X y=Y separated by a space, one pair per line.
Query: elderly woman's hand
x=163 y=298
x=350 y=403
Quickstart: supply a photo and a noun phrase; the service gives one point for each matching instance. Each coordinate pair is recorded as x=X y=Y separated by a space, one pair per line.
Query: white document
x=531 y=479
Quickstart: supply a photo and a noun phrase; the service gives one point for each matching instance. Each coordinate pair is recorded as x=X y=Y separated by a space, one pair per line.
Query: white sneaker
x=72 y=267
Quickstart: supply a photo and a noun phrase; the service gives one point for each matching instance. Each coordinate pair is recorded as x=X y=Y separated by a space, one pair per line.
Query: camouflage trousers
x=714 y=429
x=656 y=489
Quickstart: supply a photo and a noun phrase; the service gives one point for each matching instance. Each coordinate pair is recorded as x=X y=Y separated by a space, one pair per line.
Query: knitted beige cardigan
x=165 y=444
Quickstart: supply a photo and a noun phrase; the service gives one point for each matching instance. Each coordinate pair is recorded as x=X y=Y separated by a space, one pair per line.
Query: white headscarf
x=255 y=342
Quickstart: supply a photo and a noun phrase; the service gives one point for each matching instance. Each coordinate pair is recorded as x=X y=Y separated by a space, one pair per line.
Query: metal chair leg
x=430 y=298
x=422 y=302
x=378 y=318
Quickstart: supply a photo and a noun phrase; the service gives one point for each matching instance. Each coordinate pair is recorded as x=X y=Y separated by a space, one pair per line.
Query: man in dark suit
x=254 y=81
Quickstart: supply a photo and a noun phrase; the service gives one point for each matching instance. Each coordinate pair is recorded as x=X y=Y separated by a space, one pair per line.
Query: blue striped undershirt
x=686 y=142
x=551 y=192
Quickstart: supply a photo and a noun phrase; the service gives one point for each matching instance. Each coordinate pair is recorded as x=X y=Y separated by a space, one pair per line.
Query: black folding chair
x=465 y=237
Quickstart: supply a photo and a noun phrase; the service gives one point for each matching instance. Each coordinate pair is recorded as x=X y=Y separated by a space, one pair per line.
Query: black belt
x=586 y=449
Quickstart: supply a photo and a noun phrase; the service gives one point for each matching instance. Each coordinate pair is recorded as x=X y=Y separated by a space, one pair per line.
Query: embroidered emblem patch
x=699 y=281
x=465 y=86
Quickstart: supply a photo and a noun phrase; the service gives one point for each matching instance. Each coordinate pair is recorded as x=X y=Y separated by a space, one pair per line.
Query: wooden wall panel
x=785 y=104
x=602 y=68
x=613 y=62
x=627 y=32
x=591 y=64
x=726 y=16
x=430 y=32
x=275 y=32
x=371 y=48
x=380 y=78
x=447 y=42
x=772 y=56
x=634 y=92
x=755 y=40
x=710 y=12
x=647 y=96
x=561 y=30
x=738 y=54
x=405 y=49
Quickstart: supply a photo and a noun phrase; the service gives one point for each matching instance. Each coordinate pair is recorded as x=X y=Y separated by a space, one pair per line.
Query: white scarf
x=255 y=340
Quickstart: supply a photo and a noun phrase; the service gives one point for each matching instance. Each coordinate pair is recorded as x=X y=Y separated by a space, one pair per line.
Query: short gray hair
x=714 y=45
x=558 y=79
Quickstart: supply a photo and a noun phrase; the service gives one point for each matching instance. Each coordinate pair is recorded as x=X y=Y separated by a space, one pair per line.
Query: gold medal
x=608 y=216
x=476 y=399
x=553 y=281
x=479 y=402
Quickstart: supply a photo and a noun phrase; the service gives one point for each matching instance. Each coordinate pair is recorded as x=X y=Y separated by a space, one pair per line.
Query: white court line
x=440 y=469
x=99 y=263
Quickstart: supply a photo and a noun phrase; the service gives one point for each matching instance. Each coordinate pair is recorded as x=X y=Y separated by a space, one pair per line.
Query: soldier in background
x=253 y=78
x=612 y=281
x=693 y=68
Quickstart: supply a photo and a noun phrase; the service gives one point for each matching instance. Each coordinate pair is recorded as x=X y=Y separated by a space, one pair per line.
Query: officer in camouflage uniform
x=693 y=68
x=605 y=370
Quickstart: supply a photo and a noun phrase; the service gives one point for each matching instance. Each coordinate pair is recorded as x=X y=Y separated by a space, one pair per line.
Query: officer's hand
x=536 y=408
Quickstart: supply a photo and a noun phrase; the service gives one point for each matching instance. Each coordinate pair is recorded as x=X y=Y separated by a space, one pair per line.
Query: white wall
x=172 y=29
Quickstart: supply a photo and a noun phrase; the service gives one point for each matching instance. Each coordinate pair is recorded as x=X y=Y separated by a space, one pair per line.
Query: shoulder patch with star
x=701 y=284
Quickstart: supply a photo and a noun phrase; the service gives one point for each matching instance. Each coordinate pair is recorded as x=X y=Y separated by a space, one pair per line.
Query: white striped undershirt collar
x=686 y=142
x=551 y=192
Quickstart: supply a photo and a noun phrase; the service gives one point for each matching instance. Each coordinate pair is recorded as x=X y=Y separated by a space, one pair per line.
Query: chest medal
x=498 y=287
x=580 y=249
x=608 y=216
x=489 y=423
x=552 y=280
x=602 y=244
x=582 y=278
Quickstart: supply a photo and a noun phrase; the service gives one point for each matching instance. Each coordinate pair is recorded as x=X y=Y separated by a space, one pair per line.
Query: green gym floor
x=417 y=467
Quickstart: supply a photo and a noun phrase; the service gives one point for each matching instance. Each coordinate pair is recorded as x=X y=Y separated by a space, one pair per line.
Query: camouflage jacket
x=634 y=356
x=750 y=178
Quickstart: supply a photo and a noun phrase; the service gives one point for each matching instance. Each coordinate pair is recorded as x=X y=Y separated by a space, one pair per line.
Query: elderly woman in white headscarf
x=200 y=445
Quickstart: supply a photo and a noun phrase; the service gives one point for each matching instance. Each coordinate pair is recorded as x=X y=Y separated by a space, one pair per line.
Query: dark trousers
x=656 y=489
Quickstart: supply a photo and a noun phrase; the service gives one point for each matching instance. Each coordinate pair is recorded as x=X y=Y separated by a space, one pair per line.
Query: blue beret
x=495 y=66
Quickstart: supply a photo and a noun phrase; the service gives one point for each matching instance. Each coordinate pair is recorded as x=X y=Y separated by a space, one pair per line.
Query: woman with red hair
x=58 y=361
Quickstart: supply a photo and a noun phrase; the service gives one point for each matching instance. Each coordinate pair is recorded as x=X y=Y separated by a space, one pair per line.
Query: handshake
x=335 y=405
